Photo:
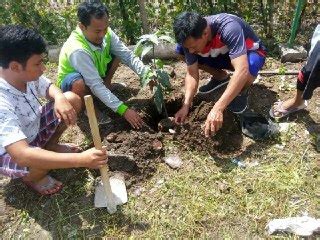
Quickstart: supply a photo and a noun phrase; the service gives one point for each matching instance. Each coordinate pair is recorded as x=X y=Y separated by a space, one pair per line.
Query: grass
x=208 y=197
x=192 y=203
x=203 y=199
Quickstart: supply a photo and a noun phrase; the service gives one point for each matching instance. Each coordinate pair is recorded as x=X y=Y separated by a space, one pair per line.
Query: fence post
x=296 y=20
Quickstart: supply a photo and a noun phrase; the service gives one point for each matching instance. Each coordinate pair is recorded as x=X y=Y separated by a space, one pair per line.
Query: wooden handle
x=93 y=122
x=98 y=145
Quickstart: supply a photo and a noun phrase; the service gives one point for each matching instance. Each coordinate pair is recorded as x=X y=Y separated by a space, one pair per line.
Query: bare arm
x=24 y=155
x=62 y=107
x=238 y=80
x=191 y=86
x=191 y=82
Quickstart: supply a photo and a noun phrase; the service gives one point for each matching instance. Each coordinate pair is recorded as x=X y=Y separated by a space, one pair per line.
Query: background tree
x=143 y=16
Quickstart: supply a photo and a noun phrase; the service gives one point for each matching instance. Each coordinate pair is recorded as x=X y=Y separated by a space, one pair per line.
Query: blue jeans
x=66 y=84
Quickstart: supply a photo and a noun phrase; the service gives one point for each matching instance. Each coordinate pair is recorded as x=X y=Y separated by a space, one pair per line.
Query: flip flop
x=45 y=189
x=278 y=107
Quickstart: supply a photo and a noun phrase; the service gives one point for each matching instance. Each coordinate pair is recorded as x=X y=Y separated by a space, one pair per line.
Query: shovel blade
x=118 y=189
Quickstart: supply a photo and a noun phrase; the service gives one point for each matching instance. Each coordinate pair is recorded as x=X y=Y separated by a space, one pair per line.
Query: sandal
x=51 y=187
x=281 y=112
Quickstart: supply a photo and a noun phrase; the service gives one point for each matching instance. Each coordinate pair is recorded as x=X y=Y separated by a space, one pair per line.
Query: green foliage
x=282 y=69
x=156 y=73
x=270 y=19
x=54 y=24
x=124 y=19
x=147 y=77
x=158 y=98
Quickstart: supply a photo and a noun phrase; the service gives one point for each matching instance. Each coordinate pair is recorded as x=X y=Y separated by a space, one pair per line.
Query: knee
x=116 y=61
x=79 y=87
x=75 y=100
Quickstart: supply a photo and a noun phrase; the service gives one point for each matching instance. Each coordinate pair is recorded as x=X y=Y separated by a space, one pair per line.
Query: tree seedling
x=156 y=72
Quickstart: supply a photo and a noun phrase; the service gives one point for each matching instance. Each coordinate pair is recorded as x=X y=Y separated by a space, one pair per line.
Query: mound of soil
x=227 y=140
x=145 y=146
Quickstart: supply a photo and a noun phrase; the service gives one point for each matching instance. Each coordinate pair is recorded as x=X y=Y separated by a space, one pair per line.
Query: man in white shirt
x=29 y=131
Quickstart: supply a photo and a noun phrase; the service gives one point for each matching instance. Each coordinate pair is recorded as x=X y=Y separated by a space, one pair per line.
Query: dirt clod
x=165 y=124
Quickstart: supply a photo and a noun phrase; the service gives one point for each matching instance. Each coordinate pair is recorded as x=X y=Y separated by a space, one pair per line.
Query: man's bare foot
x=291 y=103
x=281 y=109
x=46 y=186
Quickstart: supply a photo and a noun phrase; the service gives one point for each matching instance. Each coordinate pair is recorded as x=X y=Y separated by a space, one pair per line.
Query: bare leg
x=80 y=88
x=294 y=102
x=39 y=175
x=75 y=101
x=36 y=175
x=249 y=81
x=291 y=103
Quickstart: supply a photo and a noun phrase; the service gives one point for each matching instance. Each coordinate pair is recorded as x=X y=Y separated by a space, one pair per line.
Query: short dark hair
x=91 y=9
x=18 y=43
x=188 y=24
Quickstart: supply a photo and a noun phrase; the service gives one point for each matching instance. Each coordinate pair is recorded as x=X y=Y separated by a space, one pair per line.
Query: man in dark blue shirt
x=214 y=44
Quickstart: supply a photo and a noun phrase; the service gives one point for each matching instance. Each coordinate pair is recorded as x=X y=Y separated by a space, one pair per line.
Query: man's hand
x=133 y=118
x=181 y=115
x=64 y=110
x=214 y=122
x=94 y=158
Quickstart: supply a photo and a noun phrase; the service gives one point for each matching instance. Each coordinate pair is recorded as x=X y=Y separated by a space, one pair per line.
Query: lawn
x=207 y=197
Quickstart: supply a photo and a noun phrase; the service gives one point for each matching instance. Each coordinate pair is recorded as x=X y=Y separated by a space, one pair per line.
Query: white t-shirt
x=20 y=112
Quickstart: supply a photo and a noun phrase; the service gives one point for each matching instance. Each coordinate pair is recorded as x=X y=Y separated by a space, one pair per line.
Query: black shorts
x=309 y=76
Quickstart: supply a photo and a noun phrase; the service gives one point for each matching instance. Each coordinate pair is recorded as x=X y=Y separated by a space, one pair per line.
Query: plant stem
x=153 y=57
x=164 y=109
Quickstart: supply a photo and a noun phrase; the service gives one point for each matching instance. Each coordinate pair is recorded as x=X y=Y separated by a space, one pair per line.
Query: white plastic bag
x=302 y=226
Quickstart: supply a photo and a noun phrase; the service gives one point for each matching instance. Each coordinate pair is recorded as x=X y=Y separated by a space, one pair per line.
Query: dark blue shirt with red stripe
x=231 y=38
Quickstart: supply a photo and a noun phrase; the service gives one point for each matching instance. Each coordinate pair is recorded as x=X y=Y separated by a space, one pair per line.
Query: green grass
x=190 y=203
x=206 y=198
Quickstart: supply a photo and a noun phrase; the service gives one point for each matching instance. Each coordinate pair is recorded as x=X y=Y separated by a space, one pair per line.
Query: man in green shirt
x=90 y=56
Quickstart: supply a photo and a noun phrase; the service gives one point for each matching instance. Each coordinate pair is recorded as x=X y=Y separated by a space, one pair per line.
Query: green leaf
x=138 y=49
x=154 y=39
x=145 y=37
x=145 y=50
x=147 y=77
x=282 y=70
x=158 y=33
x=163 y=78
x=167 y=39
x=159 y=63
x=158 y=98
x=149 y=38
x=140 y=46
